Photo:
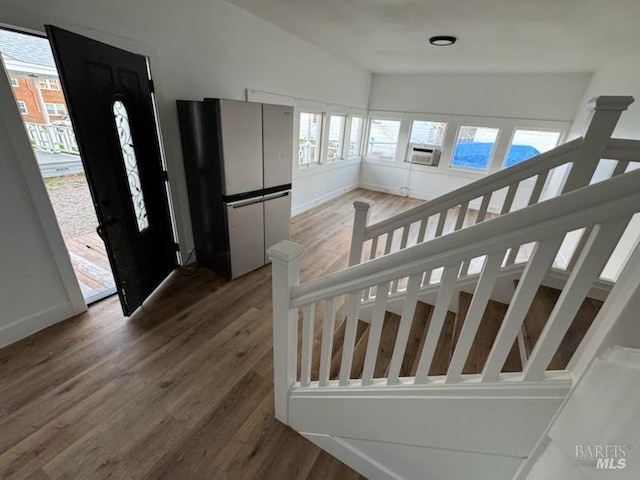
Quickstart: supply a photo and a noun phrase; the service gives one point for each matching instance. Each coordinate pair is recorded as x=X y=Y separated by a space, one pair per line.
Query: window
x=22 y=107
x=49 y=84
x=427 y=133
x=55 y=108
x=383 y=138
x=336 y=137
x=309 y=138
x=527 y=144
x=355 y=136
x=131 y=164
x=474 y=147
x=15 y=82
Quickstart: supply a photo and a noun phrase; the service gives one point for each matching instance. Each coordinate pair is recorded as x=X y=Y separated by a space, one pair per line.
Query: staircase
x=447 y=354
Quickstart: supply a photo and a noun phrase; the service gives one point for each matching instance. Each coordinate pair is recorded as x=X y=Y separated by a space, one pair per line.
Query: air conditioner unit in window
x=423 y=155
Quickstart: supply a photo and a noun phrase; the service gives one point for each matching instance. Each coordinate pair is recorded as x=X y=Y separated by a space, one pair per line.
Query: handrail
x=491 y=183
x=605 y=201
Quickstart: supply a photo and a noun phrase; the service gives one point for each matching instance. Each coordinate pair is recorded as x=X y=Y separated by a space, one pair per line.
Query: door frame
x=30 y=169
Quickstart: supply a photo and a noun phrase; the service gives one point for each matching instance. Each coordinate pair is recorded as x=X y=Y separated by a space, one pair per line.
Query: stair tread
x=537 y=317
x=485 y=336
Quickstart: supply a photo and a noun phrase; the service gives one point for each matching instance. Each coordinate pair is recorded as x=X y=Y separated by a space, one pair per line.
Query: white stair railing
x=604 y=209
x=496 y=193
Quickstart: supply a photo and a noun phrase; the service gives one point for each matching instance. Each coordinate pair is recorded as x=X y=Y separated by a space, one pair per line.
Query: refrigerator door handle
x=244 y=203
x=276 y=195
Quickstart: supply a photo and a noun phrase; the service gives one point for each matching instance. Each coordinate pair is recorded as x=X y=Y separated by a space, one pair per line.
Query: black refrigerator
x=238 y=159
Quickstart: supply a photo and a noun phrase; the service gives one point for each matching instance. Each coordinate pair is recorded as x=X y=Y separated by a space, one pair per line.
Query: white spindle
x=474 y=315
x=353 y=308
x=484 y=206
x=360 y=220
x=579 y=247
x=461 y=215
x=328 y=329
x=406 y=320
x=621 y=167
x=441 y=221
x=593 y=258
x=285 y=265
x=375 y=332
x=374 y=247
x=438 y=316
x=538 y=187
x=308 y=315
x=389 y=241
x=513 y=254
x=508 y=201
x=423 y=229
x=405 y=236
x=539 y=263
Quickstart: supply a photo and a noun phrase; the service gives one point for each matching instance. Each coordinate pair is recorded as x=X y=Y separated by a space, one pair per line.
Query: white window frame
x=15 y=82
x=56 y=110
x=562 y=134
x=319 y=142
x=401 y=141
x=48 y=84
x=325 y=143
x=22 y=105
x=347 y=136
x=497 y=152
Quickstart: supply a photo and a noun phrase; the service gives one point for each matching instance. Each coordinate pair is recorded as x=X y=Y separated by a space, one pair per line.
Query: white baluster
x=438 y=316
x=508 y=201
x=539 y=263
x=538 y=187
x=474 y=315
x=308 y=315
x=406 y=320
x=461 y=215
x=328 y=329
x=353 y=309
x=598 y=249
x=375 y=332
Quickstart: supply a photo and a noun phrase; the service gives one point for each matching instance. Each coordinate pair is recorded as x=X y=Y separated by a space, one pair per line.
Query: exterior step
x=485 y=336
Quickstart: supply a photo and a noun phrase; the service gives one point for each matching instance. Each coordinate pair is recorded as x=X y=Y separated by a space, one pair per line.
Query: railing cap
x=618 y=103
x=358 y=205
x=285 y=252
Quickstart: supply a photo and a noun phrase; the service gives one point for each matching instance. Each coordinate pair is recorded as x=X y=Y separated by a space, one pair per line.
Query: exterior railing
x=52 y=138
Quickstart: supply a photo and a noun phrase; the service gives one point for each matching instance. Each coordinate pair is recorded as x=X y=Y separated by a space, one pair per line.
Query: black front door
x=108 y=92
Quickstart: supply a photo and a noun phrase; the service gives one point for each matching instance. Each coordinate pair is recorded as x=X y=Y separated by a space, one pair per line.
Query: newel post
x=285 y=267
x=360 y=220
x=607 y=112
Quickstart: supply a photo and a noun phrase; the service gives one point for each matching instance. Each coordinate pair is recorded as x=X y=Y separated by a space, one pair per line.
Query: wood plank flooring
x=91 y=266
x=181 y=390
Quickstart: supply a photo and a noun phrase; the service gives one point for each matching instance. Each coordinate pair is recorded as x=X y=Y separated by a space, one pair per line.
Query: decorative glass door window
x=309 y=138
x=527 y=144
x=130 y=164
x=383 y=139
x=474 y=147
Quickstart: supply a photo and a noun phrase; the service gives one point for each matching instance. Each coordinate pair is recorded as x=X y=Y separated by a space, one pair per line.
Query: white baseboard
x=352 y=457
x=34 y=323
x=298 y=209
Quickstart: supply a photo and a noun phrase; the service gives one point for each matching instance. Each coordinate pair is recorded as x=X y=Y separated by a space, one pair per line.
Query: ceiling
x=391 y=36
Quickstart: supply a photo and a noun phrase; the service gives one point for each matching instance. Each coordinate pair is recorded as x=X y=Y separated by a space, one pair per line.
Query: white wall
x=540 y=96
x=32 y=291
x=198 y=48
x=506 y=101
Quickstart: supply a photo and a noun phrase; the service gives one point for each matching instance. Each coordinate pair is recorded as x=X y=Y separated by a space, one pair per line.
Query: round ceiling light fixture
x=442 y=40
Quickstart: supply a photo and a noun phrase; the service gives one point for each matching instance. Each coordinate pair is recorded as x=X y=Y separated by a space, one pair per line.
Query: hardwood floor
x=91 y=266
x=181 y=390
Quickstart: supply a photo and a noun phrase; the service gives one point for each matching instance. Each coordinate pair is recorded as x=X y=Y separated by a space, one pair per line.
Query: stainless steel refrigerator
x=238 y=159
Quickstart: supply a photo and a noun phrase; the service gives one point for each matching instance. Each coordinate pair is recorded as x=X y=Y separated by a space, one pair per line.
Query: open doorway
x=36 y=86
